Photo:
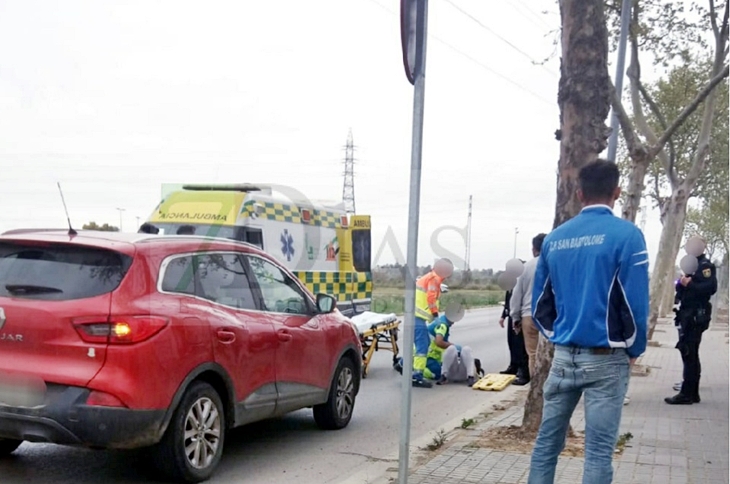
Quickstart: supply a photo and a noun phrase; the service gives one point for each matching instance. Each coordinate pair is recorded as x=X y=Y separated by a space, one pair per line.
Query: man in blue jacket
x=591 y=299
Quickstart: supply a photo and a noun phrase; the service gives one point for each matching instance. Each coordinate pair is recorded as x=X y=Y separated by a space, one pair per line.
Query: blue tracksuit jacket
x=591 y=285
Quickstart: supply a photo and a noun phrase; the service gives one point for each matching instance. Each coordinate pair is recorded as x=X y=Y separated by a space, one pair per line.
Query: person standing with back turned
x=591 y=299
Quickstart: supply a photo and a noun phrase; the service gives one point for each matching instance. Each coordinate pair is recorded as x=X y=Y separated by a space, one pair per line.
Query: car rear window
x=59 y=272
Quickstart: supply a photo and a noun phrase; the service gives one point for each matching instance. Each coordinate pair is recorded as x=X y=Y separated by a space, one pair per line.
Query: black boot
x=511 y=370
x=523 y=378
x=679 y=399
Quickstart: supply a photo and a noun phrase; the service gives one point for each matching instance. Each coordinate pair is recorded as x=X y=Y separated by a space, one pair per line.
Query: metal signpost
x=620 y=62
x=413 y=42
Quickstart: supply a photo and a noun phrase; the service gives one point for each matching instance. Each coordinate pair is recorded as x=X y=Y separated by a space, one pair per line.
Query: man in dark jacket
x=518 y=362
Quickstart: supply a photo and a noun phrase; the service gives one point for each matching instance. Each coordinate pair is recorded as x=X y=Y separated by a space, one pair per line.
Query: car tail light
x=101 y=399
x=120 y=329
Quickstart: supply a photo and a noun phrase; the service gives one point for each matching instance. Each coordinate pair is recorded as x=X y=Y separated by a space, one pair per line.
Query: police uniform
x=692 y=319
x=518 y=360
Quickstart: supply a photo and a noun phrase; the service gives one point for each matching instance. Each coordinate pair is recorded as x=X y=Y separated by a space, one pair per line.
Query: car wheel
x=8 y=446
x=337 y=411
x=193 y=443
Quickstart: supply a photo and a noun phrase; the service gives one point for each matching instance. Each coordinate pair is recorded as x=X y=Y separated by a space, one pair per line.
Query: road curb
x=385 y=471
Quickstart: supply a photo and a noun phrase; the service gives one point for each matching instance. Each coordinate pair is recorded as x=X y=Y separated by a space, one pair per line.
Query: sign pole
x=408 y=8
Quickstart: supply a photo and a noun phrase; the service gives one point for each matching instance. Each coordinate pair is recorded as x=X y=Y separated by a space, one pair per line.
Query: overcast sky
x=115 y=100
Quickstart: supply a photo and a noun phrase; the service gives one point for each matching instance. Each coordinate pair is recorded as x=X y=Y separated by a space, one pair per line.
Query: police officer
x=692 y=319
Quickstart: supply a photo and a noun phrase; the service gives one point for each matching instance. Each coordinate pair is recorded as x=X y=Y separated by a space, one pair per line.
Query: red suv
x=114 y=340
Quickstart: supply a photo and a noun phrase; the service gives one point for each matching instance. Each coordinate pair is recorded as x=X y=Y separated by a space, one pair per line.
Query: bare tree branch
x=687 y=111
x=703 y=139
x=721 y=37
x=634 y=75
x=662 y=121
x=713 y=20
x=633 y=143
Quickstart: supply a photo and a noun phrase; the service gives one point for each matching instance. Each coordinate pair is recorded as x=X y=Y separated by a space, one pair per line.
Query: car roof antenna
x=71 y=230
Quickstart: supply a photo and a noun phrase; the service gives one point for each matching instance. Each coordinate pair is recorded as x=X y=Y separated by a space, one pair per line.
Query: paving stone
x=670 y=445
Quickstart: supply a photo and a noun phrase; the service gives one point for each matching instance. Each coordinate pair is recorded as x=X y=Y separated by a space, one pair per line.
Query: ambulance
x=329 y=251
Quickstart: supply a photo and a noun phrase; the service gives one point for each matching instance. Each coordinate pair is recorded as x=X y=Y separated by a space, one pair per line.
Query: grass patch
x=467 y=422
x=622 y=441
x=392 y=300
x=438 y=441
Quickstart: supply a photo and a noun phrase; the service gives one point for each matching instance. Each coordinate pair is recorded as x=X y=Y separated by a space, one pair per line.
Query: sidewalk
x=670 y=444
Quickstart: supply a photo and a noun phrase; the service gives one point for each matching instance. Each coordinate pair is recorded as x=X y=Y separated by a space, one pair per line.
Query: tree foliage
x=711 y=223
x=103 y=228
x=650 y=133
x=670 y=95
x=666 y=31
x=655 y=32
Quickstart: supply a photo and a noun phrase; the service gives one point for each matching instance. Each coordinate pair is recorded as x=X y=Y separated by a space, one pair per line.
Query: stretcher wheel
x=364 y=372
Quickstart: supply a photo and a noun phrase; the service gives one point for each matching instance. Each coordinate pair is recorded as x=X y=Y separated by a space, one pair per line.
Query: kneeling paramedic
x=448 y=362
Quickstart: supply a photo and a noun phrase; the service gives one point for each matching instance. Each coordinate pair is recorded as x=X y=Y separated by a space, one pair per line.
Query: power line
x=484 y=66
x=480 y=64
x=488 y=29
x=528 y=9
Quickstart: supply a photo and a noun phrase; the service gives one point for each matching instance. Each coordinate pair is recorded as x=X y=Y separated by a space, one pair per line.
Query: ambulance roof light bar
x=235 y=187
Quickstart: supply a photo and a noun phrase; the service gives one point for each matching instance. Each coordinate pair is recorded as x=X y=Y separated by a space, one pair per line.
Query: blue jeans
x=603 y=381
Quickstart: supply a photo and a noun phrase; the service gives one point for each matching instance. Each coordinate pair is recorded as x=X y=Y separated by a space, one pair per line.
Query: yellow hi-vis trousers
x=420 y=350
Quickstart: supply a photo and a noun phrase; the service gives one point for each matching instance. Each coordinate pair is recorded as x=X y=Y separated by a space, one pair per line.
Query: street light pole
x=517 y=231
x=619 y=82
x=120 y=218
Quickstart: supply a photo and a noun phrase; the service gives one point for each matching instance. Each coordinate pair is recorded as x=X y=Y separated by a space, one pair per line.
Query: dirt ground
x=511 y=439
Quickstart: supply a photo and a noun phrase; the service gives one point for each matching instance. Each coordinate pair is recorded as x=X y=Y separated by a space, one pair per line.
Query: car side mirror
x=325 y=303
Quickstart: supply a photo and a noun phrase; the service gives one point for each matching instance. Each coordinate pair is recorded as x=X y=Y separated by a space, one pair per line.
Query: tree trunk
x=668 y=299
x=669 y=242
x=584 y=96
x=635 y=187
x=533 y=408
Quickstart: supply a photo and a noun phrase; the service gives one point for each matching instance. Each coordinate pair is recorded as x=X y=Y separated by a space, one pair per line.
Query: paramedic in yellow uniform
x=428 y=292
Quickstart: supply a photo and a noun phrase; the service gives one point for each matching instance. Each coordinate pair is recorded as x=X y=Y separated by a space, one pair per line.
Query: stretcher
x=493 y=382
x=376 y=329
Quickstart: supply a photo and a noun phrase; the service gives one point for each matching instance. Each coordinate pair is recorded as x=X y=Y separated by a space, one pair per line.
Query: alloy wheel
x=345 y=393
x=202 y=433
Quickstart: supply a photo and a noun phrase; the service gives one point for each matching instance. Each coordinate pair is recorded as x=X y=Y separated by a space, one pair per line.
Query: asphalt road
x=292 y=449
